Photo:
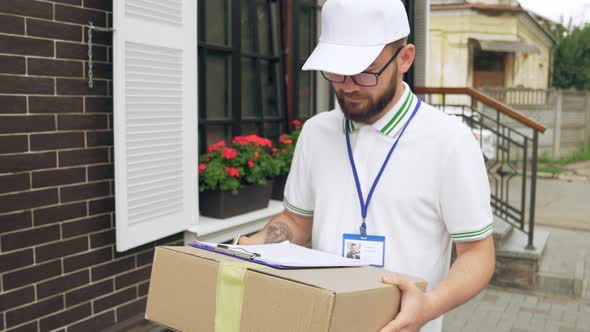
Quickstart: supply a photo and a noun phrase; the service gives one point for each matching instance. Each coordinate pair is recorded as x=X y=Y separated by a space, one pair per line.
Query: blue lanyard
x=365 y=206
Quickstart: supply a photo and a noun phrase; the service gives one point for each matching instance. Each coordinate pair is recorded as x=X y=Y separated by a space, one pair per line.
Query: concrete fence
x=565 y=114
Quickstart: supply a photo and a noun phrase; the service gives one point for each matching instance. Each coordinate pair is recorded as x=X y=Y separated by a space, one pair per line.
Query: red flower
x=256 y=155
x=233 y=172
x=296 y=123
x=285 y=150
x=284 y=140
x=202 y=167
x=274 y=150
x=252 y=139
x=250 y=163
x=207 y=158
x=229 y=153
x=216 y=146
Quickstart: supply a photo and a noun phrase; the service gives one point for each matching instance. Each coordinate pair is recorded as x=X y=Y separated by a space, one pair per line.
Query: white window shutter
x=155 y=119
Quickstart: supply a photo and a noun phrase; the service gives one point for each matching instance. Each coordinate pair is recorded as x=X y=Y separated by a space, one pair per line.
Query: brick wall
x=58 y=266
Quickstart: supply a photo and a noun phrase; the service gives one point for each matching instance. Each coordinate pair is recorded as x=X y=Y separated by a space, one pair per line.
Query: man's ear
x=407 y=57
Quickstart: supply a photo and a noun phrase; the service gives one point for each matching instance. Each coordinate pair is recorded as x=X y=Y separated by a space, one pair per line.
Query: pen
x=237 y=239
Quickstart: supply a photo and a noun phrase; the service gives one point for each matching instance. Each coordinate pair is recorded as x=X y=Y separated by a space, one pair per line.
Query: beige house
x=487 y=43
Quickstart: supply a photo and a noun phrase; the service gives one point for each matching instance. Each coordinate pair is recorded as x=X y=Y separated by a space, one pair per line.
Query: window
x=240 y=70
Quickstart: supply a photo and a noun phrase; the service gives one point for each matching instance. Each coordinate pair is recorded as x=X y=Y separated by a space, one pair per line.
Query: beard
x=366 y=107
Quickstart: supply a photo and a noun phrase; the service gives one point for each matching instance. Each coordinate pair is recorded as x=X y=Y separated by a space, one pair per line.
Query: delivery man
x=388 y=171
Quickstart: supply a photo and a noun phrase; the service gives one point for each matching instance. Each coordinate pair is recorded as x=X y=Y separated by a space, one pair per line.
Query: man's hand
x=416 y=307
x=285 y=226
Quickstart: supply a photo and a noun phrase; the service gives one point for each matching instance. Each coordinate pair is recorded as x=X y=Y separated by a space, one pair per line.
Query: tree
x=572 y=58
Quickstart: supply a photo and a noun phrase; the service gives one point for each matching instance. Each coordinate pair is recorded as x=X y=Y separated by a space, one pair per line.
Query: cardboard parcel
x=197 y=290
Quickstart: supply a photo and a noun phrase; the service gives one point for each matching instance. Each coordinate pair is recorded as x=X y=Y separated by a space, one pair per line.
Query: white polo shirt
x=433 y=190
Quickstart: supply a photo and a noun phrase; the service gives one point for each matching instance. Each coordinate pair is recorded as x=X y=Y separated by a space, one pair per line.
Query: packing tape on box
x=230 y=295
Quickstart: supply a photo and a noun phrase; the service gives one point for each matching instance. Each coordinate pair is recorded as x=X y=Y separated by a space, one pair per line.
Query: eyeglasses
x=366 y=78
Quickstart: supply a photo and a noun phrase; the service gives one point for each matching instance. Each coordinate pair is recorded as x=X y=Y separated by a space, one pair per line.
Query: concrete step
x=502 y=230
x=517 y=266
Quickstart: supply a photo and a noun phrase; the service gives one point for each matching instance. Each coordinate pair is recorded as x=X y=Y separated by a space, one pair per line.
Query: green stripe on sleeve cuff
x=295 y=209
x=473 y=234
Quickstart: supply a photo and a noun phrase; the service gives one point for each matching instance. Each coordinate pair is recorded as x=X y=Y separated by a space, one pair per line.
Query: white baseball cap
x=354 y=32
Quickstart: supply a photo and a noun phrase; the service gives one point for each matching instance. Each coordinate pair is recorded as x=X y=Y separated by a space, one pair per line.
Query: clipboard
x=242 y=255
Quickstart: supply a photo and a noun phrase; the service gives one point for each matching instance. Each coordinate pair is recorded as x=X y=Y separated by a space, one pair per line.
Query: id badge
x=369 y=250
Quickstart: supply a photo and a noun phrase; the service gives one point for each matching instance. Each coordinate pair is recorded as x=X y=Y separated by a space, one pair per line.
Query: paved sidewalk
x=502 y=310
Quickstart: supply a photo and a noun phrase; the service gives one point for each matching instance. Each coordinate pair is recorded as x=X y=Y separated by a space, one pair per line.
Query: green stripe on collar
x=405 y=105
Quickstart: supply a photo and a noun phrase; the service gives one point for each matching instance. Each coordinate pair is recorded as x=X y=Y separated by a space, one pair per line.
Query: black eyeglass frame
x=377 y=74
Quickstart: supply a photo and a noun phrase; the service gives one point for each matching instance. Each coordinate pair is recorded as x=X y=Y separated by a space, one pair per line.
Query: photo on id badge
x=370 y=250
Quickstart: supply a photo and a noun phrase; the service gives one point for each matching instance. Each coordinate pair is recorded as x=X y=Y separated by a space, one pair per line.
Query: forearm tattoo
x=278 y=232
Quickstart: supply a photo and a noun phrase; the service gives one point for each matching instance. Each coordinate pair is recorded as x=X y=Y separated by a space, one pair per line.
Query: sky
x=578 y=10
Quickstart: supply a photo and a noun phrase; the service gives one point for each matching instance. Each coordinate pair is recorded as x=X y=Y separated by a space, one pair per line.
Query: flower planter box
x=278 y=187
x=222 y=204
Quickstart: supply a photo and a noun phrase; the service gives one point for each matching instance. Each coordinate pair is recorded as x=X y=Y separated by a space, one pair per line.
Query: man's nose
x=349 y=86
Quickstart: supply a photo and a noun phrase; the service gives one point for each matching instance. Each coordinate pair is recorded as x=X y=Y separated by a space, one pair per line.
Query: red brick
x=14 y=182
x=79 y=51
x=84 y=191
x=50 y=67
x=82 y=121
x=102 y=205
x=77 y=262
x=115 y=299
x=13 y=104
x=101 y=172
x=65 y=317
x=27 y=162
x=99 y=138
x=11 y=280
x=86 y=226
x=62 y=284
x=15 y=221
x=112 y=268
x=26 y=85
x=11 y=64
x=35 y=310
x=27 y=200
x=60 y=213
x=80 y=15
x=16 y=260
x=89 y=292
x=14 y=143
x=96 y=323
x=83 y=157
x=26 y=46
x=9 y=300
x=26 y=123
x=55 y=104
x=31 y=237
x=131 y=309
x=77 y=87
x=27 y=8
x=61 y=249
x=133 y=277
x=53 y=30
x=99 y=105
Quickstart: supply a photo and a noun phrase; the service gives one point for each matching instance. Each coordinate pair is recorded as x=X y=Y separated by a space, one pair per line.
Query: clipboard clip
x=240 y=252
